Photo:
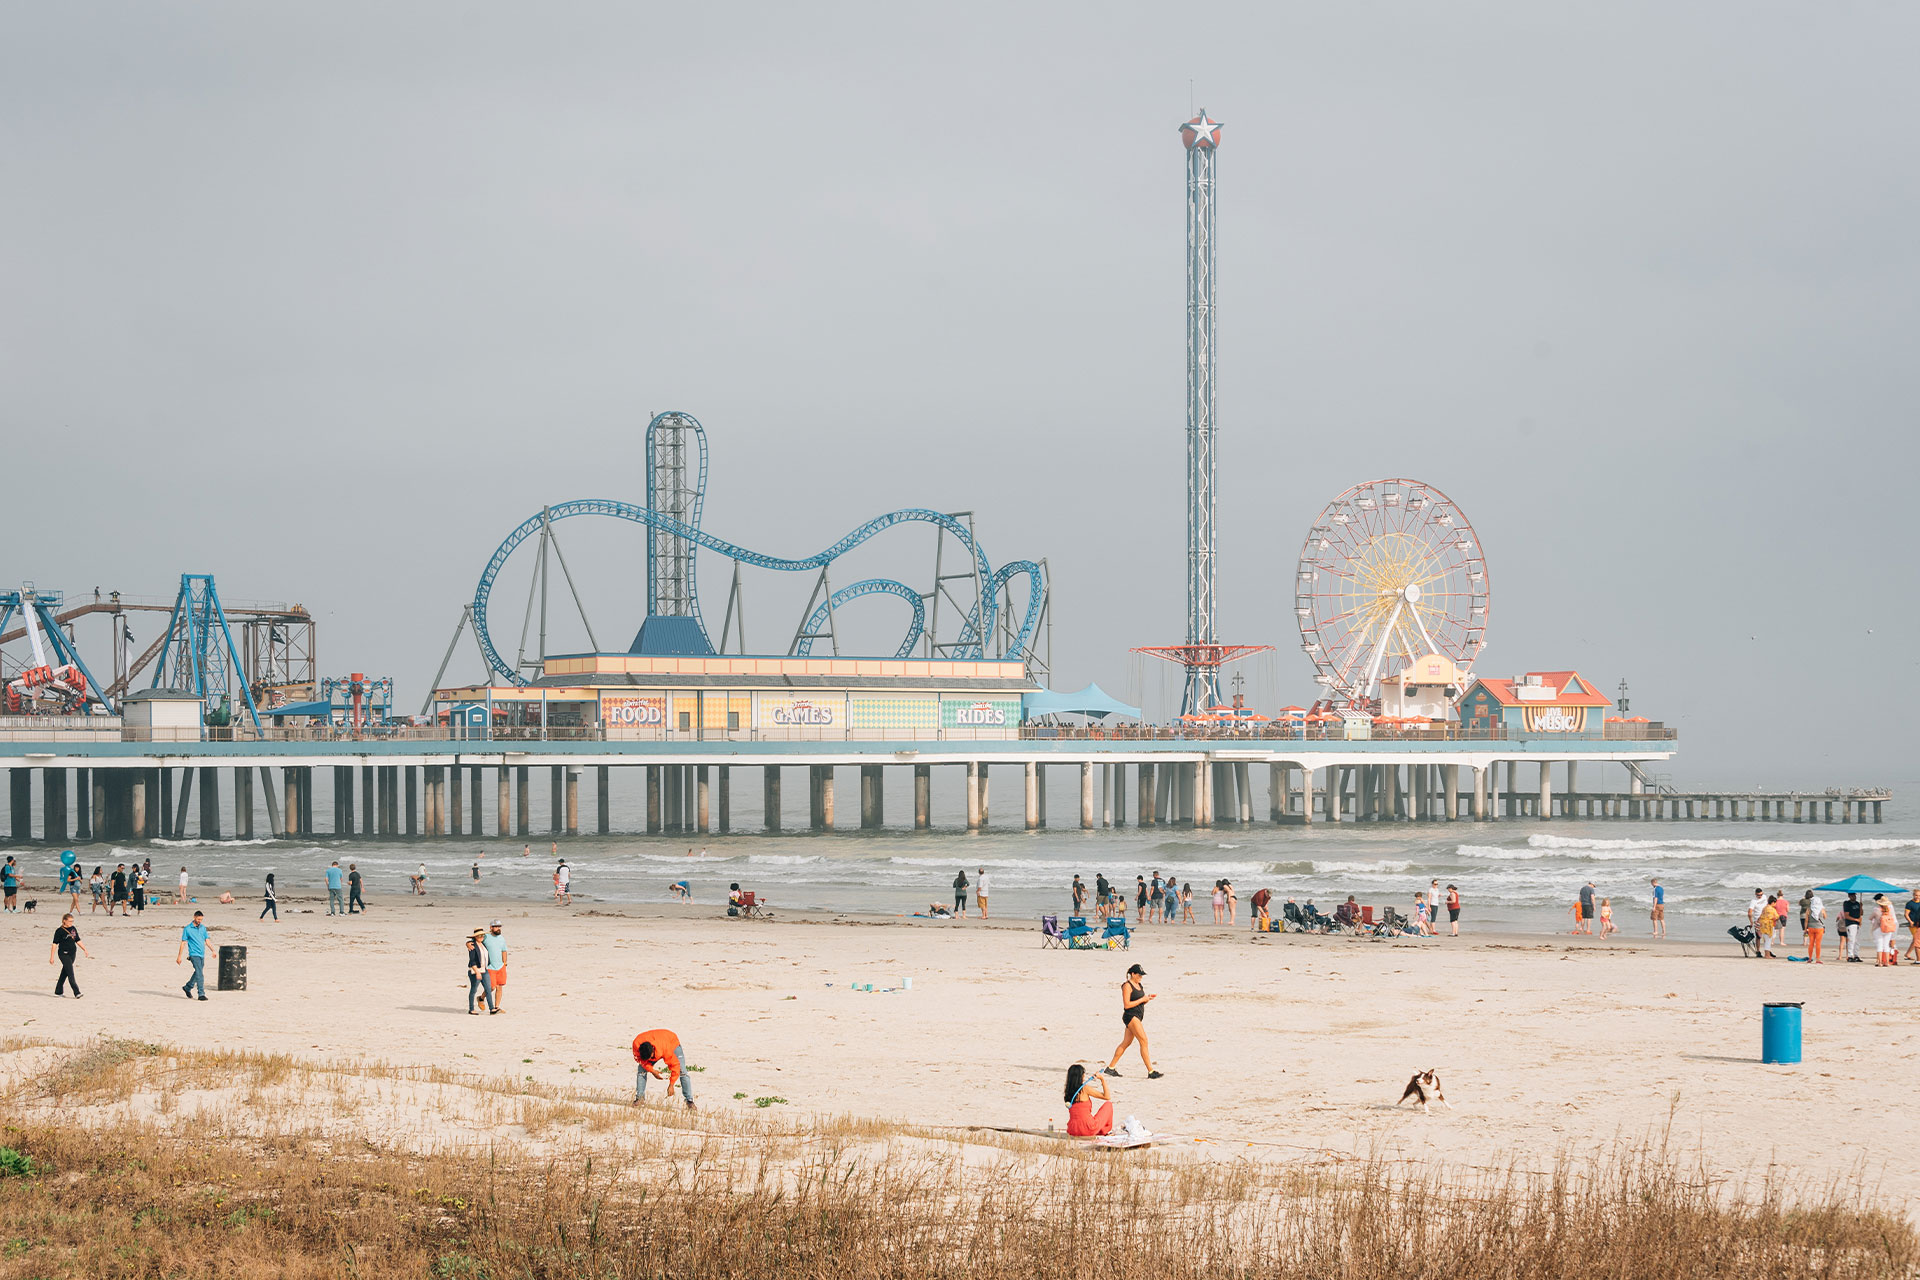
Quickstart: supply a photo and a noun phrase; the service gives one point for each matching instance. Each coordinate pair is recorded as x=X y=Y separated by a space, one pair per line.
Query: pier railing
x=1252 y=734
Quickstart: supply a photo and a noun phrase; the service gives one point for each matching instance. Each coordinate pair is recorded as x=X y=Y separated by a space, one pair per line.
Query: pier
x=444 y=786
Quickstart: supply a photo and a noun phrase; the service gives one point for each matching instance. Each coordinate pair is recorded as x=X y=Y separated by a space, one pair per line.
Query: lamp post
x=1623 y=696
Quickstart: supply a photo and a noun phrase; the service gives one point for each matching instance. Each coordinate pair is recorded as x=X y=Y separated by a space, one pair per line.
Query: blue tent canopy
x=1859 y=884
x=1090 y=701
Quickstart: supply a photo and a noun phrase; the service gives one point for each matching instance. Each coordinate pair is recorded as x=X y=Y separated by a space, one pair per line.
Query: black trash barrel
x=233 y=969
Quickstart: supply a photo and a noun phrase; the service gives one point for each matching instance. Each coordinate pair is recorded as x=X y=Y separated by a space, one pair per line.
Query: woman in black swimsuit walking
x=1133 y=1020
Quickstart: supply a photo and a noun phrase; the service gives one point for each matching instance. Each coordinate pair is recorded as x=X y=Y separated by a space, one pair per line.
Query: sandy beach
x=1283 y=1047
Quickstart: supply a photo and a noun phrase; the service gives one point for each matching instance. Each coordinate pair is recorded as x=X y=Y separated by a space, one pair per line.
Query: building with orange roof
x=1539 y=702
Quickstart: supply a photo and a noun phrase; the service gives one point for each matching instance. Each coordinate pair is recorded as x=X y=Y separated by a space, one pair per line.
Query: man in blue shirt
x=1659 y=908
x=193 y=945
x=10 y=884
x=336 y=904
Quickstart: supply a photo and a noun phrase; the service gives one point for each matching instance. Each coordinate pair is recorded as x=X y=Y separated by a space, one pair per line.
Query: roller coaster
x=980 y=599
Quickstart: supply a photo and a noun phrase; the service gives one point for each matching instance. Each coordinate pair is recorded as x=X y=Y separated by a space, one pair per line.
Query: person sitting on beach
x=1082 y=1088
x=939 y=911
x=733 y=899
x=681 y=890
x=1348 y=912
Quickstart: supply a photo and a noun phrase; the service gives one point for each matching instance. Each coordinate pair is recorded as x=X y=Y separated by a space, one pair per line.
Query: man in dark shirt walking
x=354 y=901
x=66 y=943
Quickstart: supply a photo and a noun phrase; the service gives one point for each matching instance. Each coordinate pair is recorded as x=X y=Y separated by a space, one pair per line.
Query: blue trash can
x=1780 y=1031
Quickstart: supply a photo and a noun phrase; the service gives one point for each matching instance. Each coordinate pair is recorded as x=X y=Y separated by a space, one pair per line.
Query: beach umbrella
x=1858 y=884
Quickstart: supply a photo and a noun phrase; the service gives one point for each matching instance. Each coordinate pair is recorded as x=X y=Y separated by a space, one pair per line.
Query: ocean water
x=1513 y=875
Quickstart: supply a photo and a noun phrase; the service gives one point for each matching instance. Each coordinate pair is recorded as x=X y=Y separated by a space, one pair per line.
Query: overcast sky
x=325 y=299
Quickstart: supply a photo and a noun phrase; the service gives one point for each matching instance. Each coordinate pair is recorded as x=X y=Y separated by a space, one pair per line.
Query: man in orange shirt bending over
x=661 y=1057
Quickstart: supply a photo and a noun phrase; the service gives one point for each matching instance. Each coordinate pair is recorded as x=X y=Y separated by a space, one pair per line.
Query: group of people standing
x=1768 y=913
x=1157 y=901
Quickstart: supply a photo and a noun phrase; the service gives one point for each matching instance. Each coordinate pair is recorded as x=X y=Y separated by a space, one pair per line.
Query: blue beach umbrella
x=1858 y=884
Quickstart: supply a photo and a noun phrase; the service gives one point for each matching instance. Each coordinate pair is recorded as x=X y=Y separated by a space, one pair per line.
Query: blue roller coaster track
x=974 y=635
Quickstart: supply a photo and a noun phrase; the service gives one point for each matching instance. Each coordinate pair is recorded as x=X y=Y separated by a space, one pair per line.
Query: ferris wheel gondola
x=1391 y=571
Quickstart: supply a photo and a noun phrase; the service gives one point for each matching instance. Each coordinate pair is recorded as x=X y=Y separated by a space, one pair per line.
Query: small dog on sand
x=1424 y=1089
x=30 y=904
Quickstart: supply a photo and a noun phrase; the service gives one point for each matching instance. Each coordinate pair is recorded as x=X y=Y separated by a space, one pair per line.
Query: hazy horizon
x=325 y=302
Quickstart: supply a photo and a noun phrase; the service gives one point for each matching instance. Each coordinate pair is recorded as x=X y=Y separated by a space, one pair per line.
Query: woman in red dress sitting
x=1082 y=1088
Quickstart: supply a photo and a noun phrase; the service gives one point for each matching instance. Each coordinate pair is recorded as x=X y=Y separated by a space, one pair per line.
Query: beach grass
x=145 y=1201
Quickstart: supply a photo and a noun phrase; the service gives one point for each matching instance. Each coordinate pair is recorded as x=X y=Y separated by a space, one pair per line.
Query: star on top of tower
x=1201 y=131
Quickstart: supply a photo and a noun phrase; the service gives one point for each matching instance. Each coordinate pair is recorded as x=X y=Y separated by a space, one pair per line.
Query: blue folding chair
x=1117 y=928
x=1079 y=937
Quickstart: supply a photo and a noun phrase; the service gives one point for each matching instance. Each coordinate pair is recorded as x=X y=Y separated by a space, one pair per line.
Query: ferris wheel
x=1391 y=571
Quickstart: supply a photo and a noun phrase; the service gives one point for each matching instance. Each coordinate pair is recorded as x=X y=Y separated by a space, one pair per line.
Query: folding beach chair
x=1366 y=916
x=1748 y=940
x=1079 y=937
x=1050 y=935
x=1117 y=928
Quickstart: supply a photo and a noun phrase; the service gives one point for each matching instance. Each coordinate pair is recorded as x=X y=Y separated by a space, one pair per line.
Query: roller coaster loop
x=979 y=623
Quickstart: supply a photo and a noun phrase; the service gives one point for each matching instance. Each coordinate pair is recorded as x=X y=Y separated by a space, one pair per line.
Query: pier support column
x=523 y=806
x=573 y=802
x=1086 y=795
x=1479 y=800
x=1306 y=797
x=973 y=795
x=369 y=798
x=603 y=801
x=274 y=828
x=922 y=797
x=986 y=808
x=1040 y=781
x=1450 y=791
x=243 y=804
x=503 y=801
x=556 y=802
x=1203 y=804
x=178 y=829
x=456 y=800
x=703 y=799
x=769 y=795
x=137 y=791
x=822 y=798
x=20 y=798
x=1032 y=795
x=88 y=810
x=411 y=776
x=210 y=803
x=870 y=784
x=429 y=800
x=653 y=799
x=1164 y=786
x=1106 y=793
x=1546 y=790
x=726 y=798
x=1276 y=792
x=1143 y=800
x=1332 y=802
x=1573 y=788
x=476 y=789
x=1119 y=795
x=1243 y=790
x=53 y=805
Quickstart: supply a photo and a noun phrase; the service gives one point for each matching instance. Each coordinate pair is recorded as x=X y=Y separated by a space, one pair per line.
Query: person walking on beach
x=180 y=895
x=66 y=942
x=1884 y=930
x=1814 y=912
x=353 y=889
x=336 y=890
x=1659 y=915
x=478 y=984
x=138 y=877
x=10 y=885
x=193 y=946
x=564 y=878
x=496 y=948
x=960 y=894
x=1913 y=927
x=981 y=888
x=1140 y=899
x=1133 y=1021
x=120 y=894
x=661 y=1056
x=1186 y=902
x=1851 y=914
x=1586 y=908
x=1101 y=892
x=1156 y=897
x=272 y=901
x=98 y=883
x=1453 y=909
